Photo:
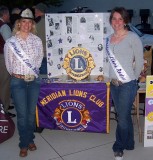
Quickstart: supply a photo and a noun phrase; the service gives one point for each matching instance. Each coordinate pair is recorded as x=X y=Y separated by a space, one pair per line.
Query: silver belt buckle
x=120 y=83
x=115 y=82
x=29 y=78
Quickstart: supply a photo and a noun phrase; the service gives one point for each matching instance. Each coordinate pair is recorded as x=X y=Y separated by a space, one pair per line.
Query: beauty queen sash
x=119 y=71
x=21 y=55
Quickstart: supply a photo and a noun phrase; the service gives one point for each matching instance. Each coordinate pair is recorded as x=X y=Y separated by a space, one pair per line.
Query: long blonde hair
x=17 y=27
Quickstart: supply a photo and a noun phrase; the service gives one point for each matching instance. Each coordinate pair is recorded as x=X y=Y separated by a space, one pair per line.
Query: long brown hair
x=123 y=12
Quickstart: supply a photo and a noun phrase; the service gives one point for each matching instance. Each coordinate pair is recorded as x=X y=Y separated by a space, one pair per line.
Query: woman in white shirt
x=23 y=56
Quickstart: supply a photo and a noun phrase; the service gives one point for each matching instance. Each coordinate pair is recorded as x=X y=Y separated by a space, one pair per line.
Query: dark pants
x=4 y=84
x=43 y=68
x=25 y=96
x=123 y=97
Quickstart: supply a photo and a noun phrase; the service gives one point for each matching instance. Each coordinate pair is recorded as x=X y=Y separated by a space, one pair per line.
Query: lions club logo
x=150 y=116
x=72 y=115
x=78 y=63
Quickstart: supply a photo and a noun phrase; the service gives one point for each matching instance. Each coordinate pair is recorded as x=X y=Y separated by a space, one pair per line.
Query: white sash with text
x=118 y=69
x=21 y=55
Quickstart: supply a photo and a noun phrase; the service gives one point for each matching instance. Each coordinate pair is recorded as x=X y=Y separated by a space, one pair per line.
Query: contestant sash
x=22 y=56
x=118 y=69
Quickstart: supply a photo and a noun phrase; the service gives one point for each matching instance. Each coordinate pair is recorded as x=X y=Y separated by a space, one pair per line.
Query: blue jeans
x=123 y=97
x=25 y=96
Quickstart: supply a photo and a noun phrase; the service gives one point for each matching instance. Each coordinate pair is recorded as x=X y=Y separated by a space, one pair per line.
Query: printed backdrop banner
x=74 y=107
x=68 y=30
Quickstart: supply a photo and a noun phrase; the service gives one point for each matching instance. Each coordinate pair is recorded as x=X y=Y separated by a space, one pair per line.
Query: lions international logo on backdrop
x=68 y=109
x=78 y=63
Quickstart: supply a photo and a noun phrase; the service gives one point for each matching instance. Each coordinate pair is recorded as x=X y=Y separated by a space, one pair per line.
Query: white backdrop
x=65 y=31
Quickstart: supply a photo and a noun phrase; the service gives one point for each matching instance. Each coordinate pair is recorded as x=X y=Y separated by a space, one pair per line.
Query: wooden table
x=137 y=109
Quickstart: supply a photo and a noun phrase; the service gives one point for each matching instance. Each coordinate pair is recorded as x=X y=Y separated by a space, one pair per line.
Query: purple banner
x=76 y=107
x=149 y=106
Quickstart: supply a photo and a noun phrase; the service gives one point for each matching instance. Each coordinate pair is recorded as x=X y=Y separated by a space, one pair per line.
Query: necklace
x=120 y=35
x=117 y=38
x=113 y=47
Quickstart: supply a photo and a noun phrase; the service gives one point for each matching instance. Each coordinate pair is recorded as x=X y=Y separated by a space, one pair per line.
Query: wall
x=104 y=6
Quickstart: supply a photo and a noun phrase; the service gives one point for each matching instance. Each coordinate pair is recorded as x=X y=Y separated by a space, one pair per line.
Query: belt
x=116 y=82
x=26 y=78
x=18 y=76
